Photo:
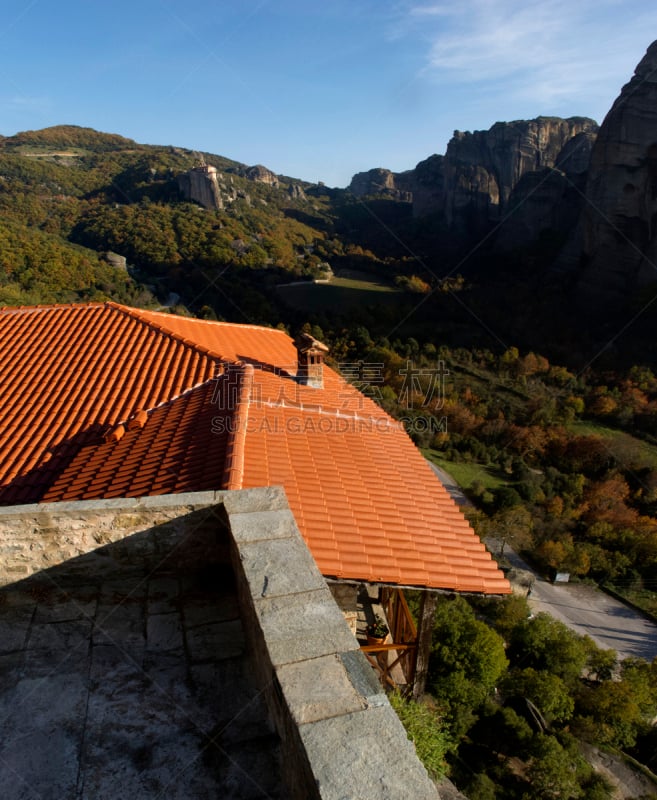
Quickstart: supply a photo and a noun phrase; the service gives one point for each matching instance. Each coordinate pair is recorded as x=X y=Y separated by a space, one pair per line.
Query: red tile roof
x=106 y=401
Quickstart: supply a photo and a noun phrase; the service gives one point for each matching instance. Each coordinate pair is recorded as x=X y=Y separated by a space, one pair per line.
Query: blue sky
x=315 y=90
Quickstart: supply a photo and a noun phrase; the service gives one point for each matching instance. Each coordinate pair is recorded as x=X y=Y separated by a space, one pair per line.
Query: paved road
x=588 y=611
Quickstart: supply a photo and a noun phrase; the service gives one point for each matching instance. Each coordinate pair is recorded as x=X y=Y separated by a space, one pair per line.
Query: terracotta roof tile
x=218 y=406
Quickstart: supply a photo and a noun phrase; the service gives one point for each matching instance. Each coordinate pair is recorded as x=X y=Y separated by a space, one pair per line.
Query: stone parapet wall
x=339 y=736
x=42 y=535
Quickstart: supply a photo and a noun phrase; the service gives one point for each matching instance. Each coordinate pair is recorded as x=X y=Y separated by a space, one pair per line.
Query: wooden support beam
x=424 y=632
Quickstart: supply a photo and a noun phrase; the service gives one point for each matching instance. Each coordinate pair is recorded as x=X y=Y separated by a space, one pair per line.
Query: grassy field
x=465 y=473
x=627 y=449
x=356 y=279
x=349 y=289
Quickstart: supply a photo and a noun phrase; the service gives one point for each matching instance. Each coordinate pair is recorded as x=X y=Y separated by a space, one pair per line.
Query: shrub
x=425 y=729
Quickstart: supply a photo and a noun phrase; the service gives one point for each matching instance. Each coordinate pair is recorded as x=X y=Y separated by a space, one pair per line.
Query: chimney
x=310 y=364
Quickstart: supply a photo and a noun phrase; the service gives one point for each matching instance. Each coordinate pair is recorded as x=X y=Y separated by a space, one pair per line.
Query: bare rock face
x=115 y=260
x=617 y=236
x=296 y=192
x=541 y=202
x=483 y=168
x=481 y=177
x=378 y=181
x=429 y=186
x=200 y=185
x=547 y=202
x=575 y=157
x=261 y=174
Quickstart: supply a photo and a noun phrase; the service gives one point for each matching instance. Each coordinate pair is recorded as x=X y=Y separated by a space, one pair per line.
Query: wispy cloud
x=20 y=103
x=555 y=50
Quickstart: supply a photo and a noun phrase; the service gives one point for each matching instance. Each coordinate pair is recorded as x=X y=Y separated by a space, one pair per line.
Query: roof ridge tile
x=245 y=325
x=233 y=476
x=134 y=313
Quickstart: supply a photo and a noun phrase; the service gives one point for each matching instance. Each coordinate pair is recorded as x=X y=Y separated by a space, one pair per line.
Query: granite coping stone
x=187 y=500
x=248 y=501
x=318 y=689
x=257 y=526
x=380 y=760
x=243 y=501
x=280 y=567
x=303 y=626
x=363 y=678
x=328 y=690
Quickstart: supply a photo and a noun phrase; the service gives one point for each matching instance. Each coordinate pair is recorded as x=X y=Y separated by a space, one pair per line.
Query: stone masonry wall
x=38 y=536
x=339 y=734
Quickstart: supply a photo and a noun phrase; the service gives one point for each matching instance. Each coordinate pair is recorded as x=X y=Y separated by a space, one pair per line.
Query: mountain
x=473 y=184
x=614 y=249
x=379 y=181
x=68 y=195
x=532 y=231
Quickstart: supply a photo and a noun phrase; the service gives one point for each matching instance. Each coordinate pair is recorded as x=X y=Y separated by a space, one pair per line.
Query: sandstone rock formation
x=296 y=192
x=616 y=241
x=484 y=167
x=548 y=201
x=200 y=185
x=383 y=182
x=473 y=184
x=429 y=186
x=261 y=174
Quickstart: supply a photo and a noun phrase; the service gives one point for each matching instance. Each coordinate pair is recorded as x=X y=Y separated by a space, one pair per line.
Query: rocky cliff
x=473 y=184
x=261 y=174
x=200 y=185
x=378 y=181
x=429 y=186
x=483 y=168
x=616 y=240
x=547 y=202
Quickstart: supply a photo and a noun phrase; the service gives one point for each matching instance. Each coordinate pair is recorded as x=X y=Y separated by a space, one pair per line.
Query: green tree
x=511 y=526
x=545 y=690
x=608 y=714
x=601 y=663
x=467 y=657
x=553 y=772
x=544 y=643
x=481 y=787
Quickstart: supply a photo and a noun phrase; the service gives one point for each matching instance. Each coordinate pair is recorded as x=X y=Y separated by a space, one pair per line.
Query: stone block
x=14 y=625
x=279 y=567
x=66 y=609
x=301 y=626
x=60 y=636
x=121 y=625
x=115 y=663
x=363 y=678
x=318 y=689
x=39 y=750
x=216 y=641
x=247 y=501
x=164 y=632
x=365 y=755
x=260 y=525
x=345 y=595
x=163 y=595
